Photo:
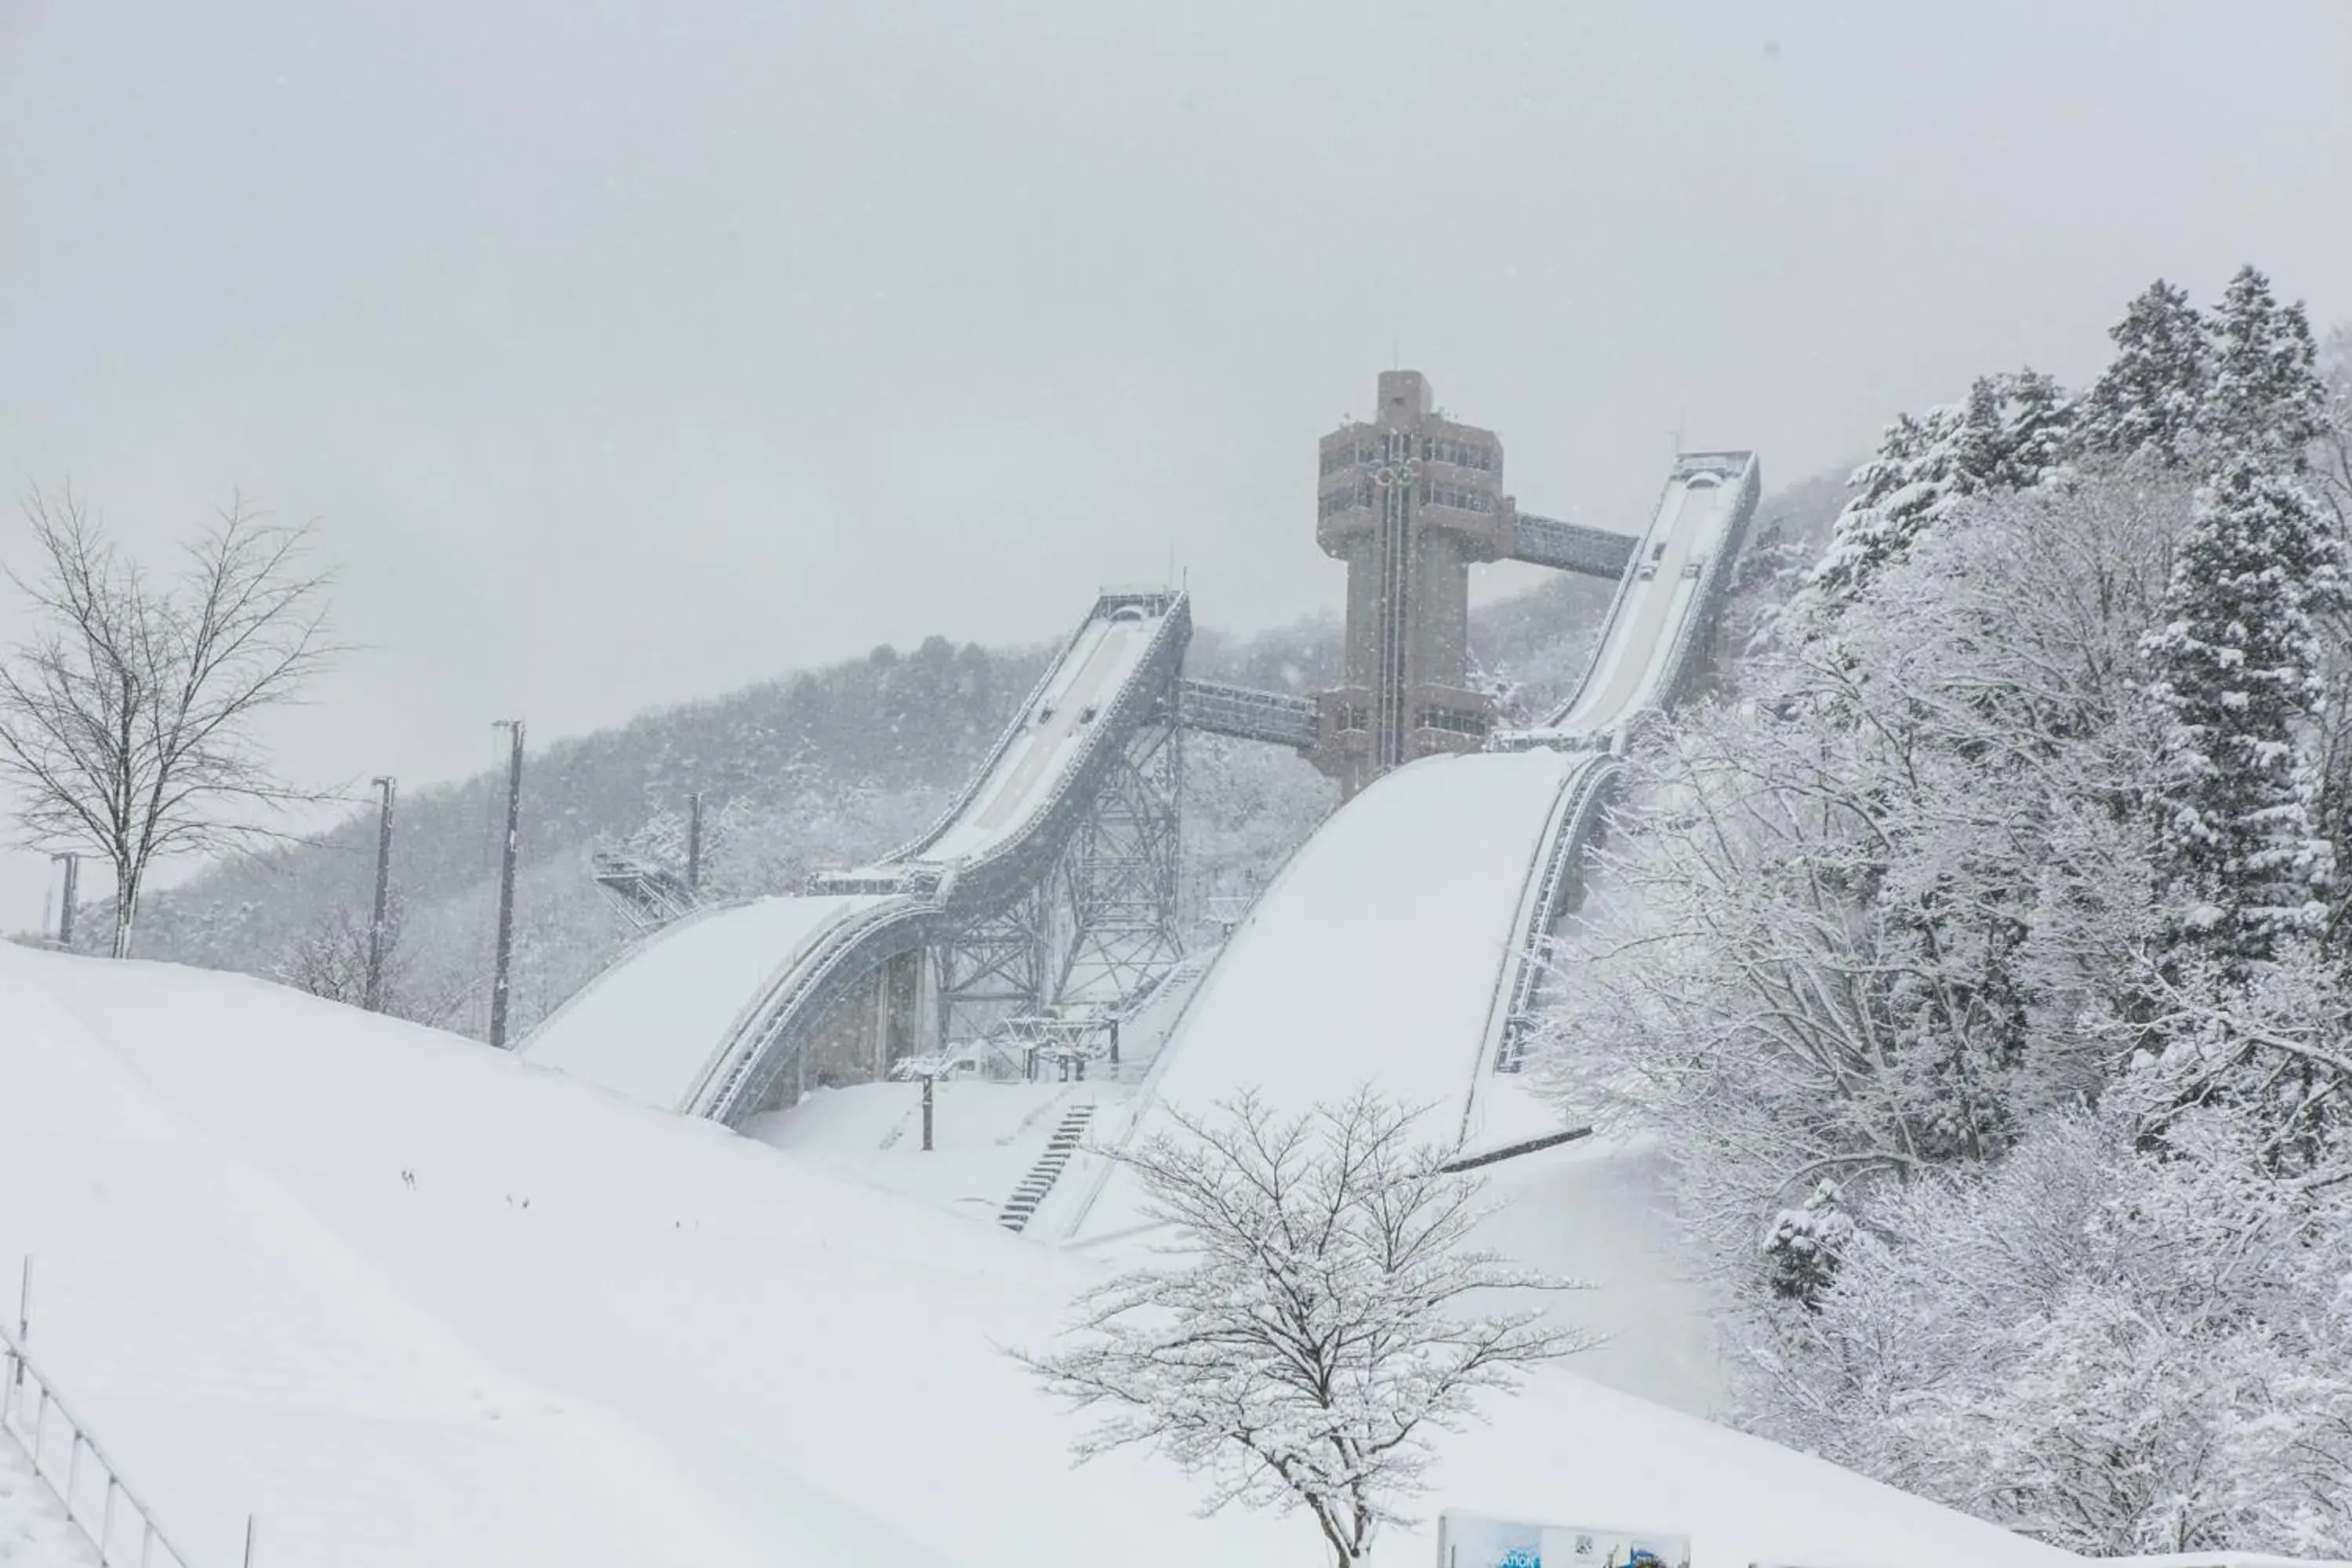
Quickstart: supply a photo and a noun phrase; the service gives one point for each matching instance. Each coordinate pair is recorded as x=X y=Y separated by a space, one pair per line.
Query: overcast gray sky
x=631 y=352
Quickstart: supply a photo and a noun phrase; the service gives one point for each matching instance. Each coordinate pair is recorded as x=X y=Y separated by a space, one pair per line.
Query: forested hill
x=858 y=749
x=817 y=769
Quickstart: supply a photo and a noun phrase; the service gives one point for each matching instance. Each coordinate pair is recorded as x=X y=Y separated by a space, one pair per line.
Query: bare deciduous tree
x=1323 y=1313
x=126 y=718
x=331 y=960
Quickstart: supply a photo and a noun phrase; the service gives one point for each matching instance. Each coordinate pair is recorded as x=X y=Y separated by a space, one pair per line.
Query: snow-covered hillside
x=407 y=1300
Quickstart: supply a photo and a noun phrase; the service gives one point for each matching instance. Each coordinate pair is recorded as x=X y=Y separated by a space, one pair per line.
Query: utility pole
x=374 y=999
x=23 y=1325
x=499 y=976
x=72 y=864
x=694 y=842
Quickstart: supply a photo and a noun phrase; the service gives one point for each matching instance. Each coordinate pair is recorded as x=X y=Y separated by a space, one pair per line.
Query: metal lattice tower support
x=996 y=967
x=1120 y=881
x=1104 y=922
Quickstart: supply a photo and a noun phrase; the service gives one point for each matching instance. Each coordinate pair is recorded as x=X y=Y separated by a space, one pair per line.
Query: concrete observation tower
x=1409 y=502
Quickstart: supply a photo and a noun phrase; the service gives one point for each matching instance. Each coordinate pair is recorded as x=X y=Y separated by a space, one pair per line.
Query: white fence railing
x=71 y=1461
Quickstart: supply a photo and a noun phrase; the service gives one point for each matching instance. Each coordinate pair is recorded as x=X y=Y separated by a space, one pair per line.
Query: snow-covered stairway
x=1040 y=1177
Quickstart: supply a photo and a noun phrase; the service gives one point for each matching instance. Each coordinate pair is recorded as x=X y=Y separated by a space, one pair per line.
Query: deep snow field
x=406 y=1300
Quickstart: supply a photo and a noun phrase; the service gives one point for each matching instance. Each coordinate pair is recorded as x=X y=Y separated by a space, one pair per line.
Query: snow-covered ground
x=408 y=1300
x=984 y=1136
x=34 y=1530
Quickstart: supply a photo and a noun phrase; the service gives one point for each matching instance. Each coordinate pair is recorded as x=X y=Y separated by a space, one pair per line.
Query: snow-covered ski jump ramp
x=1401 y=944
x=709 y=1015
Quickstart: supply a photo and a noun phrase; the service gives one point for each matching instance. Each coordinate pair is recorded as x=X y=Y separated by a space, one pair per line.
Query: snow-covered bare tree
x=2115 y=1348
x=331 y=960
x=1320 y=1314
x=2236 y=667
x=126 y=721
x=2331 y=478
x=2332 y=453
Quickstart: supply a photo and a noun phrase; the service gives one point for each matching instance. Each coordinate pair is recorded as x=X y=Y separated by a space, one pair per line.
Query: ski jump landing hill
x=1402 y=945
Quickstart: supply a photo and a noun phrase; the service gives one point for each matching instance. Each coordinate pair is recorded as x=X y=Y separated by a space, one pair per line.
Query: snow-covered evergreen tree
x=2012 y=432
x=2265 y=398
x=2151 y=397
x=2235 y=662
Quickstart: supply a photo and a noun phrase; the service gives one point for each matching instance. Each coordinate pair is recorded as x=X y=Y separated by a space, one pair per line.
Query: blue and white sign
x=1476 y=1540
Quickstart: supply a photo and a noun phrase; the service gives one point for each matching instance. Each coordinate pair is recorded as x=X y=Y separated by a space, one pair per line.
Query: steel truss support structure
x=994 y=968
x=647 y=895
x=1103 y=924
x=1120 y=878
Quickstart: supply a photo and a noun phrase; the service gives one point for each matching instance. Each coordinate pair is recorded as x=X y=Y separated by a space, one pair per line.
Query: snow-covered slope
x=1375 y=957
x=590 y=1332
x=654 y=1025
x=241 y=1349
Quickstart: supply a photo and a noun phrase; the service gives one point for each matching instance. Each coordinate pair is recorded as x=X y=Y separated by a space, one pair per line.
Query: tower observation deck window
x=1458 y=499
x=1452 y=720
x=1460 y=454
x=1340 y=500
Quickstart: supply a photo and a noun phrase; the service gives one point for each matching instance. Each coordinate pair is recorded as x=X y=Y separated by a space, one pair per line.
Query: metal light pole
x=374 y=999
x=507 y=886
x=694 y=842
x=72 y=863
